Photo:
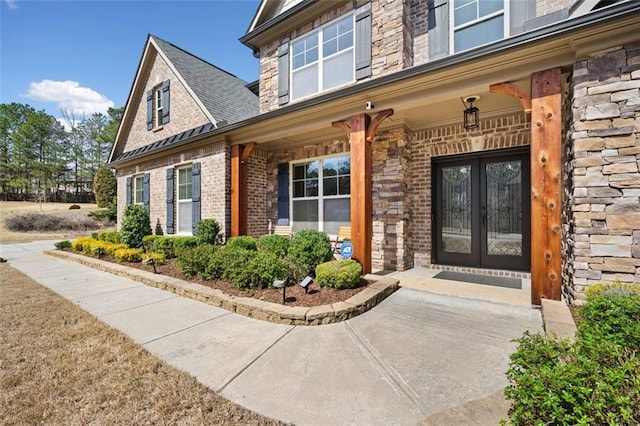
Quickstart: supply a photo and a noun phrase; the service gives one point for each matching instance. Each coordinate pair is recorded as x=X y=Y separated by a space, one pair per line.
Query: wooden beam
x=246 y=152
x=515 y=92
x=361 y=183
x=361 y=131
x=546 y=185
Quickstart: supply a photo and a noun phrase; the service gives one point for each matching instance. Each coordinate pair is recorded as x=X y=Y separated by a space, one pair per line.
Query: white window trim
x=319 y=197
x=178 y=200
x=157 y=107
x=320 y=60
x=452 y=30
x=135 y=189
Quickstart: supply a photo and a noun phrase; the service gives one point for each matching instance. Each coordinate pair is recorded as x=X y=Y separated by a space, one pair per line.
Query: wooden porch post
x=361 y=131
x=546 y=185
x=239 y=196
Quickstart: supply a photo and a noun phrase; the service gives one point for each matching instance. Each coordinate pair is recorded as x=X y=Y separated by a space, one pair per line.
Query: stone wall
x=606 y=182
x=391 y=164
x=185 y=114
x=494 y=133
x=215 y=198
x=390 y=36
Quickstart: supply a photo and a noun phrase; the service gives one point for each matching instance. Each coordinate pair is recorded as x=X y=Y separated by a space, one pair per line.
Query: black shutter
x=520 y=12
x=195 y=195
x=283 y=74
x=438 y=24
x=170 y=202
x=146 y=195
x=363 y=41
x=149 y=109
x=283 y=194
x=128 y=190
x=165 y=102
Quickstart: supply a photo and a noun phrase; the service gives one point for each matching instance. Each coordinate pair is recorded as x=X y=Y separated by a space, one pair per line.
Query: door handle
x=483 y=216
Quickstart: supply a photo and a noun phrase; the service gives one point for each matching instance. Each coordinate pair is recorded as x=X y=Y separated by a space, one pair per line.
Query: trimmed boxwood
x=207 y=231
x=135 y=225
x=276 y=244
x=263 y=268
x=307 y=250
x=228 y=263
x=245 y=242
x=339 y=274
x=195 y=261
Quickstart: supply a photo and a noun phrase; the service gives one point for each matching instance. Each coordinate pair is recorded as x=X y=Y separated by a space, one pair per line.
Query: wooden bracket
x=376 y=122
x=343 y=125
x=515 y=92
x=247 y=151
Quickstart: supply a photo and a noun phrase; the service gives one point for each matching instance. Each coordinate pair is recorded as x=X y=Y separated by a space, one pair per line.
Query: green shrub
x=245 y=242
x=207 y=231
x=595 y=380
x=105 y=186
x=263 y=268
x=307 y=249
x=613 y=317
x=135 y=225
x=195 y=261
x=228 y=263
x=339 y=274
x=148 y=242
x=182 y=243
x=94 y=235
x=276 y=244
x=110 y=212
x=158 y=258
x=109 y=236
x=133 y=255
x=65 y=244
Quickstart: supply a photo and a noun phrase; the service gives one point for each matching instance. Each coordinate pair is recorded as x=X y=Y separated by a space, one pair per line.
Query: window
x=138 y=190
x=323 y=59
x=477 y=22
x=185 y=207
x=321 y=194
x=157 y=107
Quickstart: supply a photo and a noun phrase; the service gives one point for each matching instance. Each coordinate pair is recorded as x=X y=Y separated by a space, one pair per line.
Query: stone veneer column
x=605 y=138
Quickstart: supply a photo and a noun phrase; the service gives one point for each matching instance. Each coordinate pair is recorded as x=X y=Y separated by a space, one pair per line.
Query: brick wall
x=495 y=133
x=184 y=114
x=606 y=158
x=214 y=187
x=257 y=223
x=545 y=7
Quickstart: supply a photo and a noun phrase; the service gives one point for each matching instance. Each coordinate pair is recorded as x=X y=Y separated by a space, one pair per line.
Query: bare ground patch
x=60 y=365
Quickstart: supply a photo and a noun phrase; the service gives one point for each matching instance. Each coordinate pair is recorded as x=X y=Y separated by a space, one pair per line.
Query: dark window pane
x=337 y=213
x=330 y=186
x=312 y=170
x=329 y=167
x=298 y=188
x=305 y=214
x=298 y=171
x=344 y=185
x=312 y=188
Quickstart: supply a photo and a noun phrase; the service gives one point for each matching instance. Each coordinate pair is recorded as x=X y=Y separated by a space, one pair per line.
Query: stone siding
x=494 y=133
x=419 y=30
x=215 y=195
x=390 y=36
x=606 y=159
x=185 y=114
x=545 y=7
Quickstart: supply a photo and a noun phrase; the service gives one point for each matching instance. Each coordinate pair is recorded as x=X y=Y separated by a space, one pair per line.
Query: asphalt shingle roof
x=225 y=96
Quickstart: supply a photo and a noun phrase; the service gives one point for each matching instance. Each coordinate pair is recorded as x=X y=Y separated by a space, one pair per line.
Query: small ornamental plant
x=135 y=225
x=339 y=274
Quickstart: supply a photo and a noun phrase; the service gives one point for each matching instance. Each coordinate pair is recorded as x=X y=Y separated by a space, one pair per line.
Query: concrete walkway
x=415 y=357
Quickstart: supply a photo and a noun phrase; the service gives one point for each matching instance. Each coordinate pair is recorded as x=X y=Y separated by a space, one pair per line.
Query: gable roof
x=224 y=95
x=223 y=98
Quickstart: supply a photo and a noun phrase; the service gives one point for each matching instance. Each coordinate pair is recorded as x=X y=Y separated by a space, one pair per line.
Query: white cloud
x=11 y=4
x=81 y=101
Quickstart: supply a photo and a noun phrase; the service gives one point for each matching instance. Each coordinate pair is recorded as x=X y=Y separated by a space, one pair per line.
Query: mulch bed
x=296 y=295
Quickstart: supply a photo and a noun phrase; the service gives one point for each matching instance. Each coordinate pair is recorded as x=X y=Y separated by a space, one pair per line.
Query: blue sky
x=83 y=55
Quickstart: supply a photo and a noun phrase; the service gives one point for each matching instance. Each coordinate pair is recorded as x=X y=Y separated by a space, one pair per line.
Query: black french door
x=482 y=211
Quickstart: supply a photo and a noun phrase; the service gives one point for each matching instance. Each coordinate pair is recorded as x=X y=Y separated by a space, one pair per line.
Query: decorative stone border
x=253 y=308
x=558 y=320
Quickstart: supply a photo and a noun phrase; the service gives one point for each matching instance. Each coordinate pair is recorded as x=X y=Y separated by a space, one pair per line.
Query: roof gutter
x=554 y=30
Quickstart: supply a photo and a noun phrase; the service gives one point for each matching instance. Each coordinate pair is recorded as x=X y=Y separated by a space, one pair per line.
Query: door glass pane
x=456 y=209
x=504 y=208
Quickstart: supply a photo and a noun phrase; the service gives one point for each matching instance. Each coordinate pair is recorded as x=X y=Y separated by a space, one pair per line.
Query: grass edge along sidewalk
x=61 y=365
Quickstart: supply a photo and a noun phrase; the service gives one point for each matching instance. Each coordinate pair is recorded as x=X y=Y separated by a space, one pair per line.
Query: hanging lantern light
x=471 y=113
